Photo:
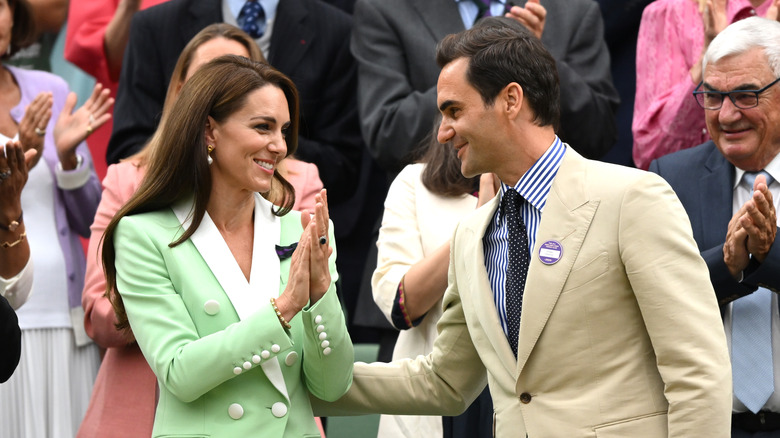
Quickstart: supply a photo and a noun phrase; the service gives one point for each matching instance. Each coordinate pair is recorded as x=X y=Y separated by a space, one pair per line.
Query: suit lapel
x=291 y=36
x=201 y=14
x=715 y=192
x=566 y=219
x=245 y=297
x=480 y=291
x=441 y=17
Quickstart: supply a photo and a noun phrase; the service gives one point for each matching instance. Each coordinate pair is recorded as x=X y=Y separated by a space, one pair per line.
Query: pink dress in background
x=671 y=37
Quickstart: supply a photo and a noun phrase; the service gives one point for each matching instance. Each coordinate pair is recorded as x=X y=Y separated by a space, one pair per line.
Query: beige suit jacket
x=621 y=337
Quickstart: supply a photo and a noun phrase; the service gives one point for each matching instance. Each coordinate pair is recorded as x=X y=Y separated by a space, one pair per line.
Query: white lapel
x=264 y=276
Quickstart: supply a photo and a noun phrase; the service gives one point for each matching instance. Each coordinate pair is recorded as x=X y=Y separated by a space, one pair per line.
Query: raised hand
x=735 y=253
x=714 y=19
x=532 y=16
x=321 y=250
x=488 y=187
x=32 y=127
x=13 y=177
x=74 y=127
x=760 y=220
x=296 y=293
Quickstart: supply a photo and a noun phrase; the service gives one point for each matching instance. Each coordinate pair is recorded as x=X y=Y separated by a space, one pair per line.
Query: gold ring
x=40 y=132
x=89 y=130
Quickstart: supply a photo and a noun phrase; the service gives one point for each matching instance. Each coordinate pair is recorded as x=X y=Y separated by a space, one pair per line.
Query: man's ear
x=211 y=130
x=512 y=96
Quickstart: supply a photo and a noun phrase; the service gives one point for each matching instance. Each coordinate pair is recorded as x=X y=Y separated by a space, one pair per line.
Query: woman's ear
x=211 y=131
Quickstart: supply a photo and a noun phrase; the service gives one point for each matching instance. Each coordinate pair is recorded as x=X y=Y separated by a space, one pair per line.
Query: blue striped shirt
x=534 y=186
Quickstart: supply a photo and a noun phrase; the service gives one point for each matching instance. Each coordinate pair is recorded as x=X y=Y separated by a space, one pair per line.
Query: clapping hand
x=73 y=127
x=317 y=230
x=32 y=128
x=533 y=16
x=14 y=164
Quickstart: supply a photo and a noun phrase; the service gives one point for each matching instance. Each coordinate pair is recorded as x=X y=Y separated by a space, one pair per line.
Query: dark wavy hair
x=501 y=51
x=23 y=32
x=179 y=166
x=442 y=175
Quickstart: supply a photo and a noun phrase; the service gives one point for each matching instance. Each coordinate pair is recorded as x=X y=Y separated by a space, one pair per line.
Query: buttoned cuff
x=72 y=179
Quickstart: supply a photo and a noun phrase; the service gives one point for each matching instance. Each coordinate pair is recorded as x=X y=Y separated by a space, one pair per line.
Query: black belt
x=760 y=422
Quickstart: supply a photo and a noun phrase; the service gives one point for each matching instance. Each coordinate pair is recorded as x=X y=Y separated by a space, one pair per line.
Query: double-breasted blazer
x=225 y=366
x=621 y=337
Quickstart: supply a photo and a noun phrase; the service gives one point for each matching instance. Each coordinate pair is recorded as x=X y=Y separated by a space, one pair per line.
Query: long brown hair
x=442 y=174
x=213 y=31
x=179 y=168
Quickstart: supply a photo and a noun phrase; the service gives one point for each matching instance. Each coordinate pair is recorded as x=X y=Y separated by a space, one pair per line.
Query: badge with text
x=550 y=252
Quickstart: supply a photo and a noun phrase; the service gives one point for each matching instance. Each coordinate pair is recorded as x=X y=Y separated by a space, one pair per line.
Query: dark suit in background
x=703 y=180
x=394 y=43
x=621 y=28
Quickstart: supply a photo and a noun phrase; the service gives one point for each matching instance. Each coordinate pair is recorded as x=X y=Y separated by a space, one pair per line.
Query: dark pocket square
x=285 y=252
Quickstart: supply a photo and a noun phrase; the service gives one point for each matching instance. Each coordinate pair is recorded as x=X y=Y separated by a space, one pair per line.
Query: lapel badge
x=550 y=252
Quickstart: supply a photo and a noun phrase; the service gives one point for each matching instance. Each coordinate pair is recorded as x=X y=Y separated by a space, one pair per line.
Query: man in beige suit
x=620 y=334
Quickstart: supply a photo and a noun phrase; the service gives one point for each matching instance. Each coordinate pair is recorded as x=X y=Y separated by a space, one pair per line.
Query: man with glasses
x=729 y=189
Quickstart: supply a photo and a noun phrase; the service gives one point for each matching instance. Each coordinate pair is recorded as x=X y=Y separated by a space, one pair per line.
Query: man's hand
x=735 y=252
x=760 y=220
x=532 y=16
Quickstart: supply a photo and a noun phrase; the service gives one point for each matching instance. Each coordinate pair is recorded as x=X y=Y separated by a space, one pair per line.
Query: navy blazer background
x=703 y=180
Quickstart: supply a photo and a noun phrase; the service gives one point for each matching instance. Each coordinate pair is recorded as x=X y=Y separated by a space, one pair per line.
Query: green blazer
x=225 y=366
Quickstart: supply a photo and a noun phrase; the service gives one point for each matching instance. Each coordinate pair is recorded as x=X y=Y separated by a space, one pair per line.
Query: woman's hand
x=317 y=230
x=32 y=128
x=715 y=20
x=13 y=176
x=74 y=127
x=296 y=293
x=488 y=187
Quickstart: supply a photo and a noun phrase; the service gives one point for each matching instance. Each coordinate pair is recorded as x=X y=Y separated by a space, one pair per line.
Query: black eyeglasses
x=743 y=99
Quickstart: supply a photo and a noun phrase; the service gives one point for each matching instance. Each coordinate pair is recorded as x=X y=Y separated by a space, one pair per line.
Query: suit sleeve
x=87 y=23
x=444 y=382
x=588 y=97
x=399 y=245
x=189 y=365
x=674 y=294
x=141 y=93
x=394 y=116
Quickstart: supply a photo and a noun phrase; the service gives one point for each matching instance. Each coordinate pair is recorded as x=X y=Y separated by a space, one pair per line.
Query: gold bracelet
x=18 y=241
x=284 y=322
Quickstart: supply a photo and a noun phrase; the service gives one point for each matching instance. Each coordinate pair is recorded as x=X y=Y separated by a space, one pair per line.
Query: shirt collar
x=773 y=168
x=535 y=184
x=269 y=6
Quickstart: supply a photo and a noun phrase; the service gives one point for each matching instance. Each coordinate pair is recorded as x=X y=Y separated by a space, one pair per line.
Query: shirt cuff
x=17 y=288
x=72 y=179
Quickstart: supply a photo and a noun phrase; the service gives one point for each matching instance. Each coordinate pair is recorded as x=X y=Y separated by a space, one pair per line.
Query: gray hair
x=744 y=35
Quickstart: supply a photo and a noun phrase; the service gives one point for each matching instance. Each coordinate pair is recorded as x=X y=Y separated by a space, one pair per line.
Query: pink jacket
x=123 y=398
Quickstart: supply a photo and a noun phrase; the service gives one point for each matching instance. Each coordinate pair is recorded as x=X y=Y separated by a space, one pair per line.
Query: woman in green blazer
x=238 y=324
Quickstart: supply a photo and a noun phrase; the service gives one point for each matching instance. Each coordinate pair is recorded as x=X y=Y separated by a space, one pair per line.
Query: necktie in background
x=251 y=18
x=518 y=264
x=751 y=341
x=484 y=8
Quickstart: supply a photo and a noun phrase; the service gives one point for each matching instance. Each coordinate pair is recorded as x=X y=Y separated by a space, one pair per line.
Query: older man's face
x=748 y=138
